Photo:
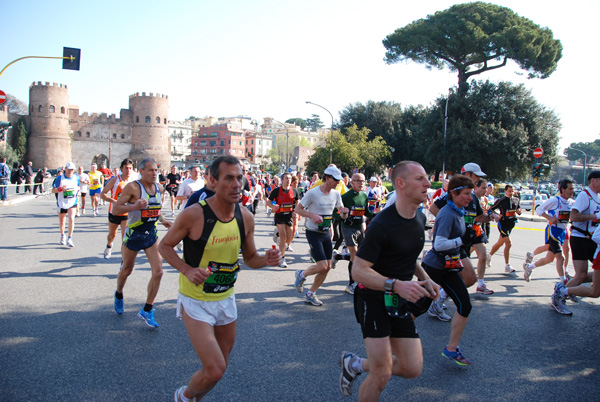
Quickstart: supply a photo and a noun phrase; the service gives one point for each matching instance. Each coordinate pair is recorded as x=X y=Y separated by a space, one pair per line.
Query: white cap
x=373 y=178
x=473 y=168
x=70 y=165
x=333 y=172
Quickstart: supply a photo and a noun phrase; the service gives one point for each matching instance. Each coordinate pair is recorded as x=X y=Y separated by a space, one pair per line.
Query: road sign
x=2 y=97
x=355 y=170
x=538 y=152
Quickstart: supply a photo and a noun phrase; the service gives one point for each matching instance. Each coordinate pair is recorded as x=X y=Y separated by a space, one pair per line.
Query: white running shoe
x=63 y=240
x=529 y=257
x=289 y=248
x=508 y=269
x=527 y=272
x=70 y=242
x=283 y=264
x=488 y=260
x=107 y=252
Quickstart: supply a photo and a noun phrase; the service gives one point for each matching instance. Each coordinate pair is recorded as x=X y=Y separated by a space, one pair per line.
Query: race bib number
x=453 y=262
x=68 y=193
x=326 y=224
x=150 y=215
x=357 y=211
x=510 y=214
x=95 y=182
x=223 y=277
x=372 y=205
x=564 y=216
x=392 y=304
x=286 y=208
x=469 y=219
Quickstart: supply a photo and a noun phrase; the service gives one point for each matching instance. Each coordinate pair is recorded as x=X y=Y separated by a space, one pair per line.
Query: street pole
x=445 y=129
x=331 y=139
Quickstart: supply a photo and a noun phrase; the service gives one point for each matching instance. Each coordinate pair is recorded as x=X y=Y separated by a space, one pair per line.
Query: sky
x=268 y=57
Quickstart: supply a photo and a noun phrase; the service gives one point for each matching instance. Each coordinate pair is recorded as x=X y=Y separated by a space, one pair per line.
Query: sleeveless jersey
x=562 y=211
x=145 y=219
x=68 y=197
x=586 y=203
x=95 y=182
x=285 y=199
x=115 y=192
x=217 y=250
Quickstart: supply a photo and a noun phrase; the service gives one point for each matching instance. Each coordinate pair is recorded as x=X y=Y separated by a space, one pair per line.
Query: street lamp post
x=287 y=145
x=584 y=162
x=445 y=129
x=331 y=140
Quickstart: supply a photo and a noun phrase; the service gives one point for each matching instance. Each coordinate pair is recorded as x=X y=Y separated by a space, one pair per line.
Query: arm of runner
x=188 y=218
x=104 y=194
x=129 y=193
x=434 y=209
x=252 y=259
x=409 y=290
x=303 y=212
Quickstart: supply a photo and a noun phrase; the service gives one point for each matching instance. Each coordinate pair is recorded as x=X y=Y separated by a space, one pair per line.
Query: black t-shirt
x=508 y=207
x=198 y=196
x=173 y=179
x=393 y=243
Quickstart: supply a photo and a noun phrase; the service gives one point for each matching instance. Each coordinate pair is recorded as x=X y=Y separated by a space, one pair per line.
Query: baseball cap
x=334 y=172
x=373 y=179
x=70 y=165
x=473 y=168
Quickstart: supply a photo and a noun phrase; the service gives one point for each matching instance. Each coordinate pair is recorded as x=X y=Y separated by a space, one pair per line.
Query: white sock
x=184 y=398
x=563 y=278
x=357 y=365
x=564 y=291
x=532 y=265
x=443 y=295
x=480 y=282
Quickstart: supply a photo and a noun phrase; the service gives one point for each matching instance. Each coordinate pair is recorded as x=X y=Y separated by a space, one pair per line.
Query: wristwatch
x=388 y=285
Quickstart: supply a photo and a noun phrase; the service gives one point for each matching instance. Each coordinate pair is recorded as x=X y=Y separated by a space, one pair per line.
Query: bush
x=9 y=153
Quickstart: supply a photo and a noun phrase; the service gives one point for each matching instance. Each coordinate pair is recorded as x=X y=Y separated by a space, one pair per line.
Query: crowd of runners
x=381 y=236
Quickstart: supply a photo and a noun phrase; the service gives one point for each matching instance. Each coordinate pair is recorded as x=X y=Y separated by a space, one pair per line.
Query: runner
x=585 y=215
x=356 y=200
x=96 y=183
x=66 y=188
x=509 y=209
x=141 y=201
x=557 y=211
x=386 y=295
x=317 y=205
x=84 y=181
x=190 y=185
x=443 y=262
x=173 y=182
x=283 y=200
x=115 y=186
x=205 y=192
x=206 y=299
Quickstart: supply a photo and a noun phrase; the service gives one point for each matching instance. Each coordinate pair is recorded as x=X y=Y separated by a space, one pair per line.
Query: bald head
x=358 y=181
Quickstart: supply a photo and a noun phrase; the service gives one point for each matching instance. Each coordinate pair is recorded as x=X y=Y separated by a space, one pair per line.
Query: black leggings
x=453 y=285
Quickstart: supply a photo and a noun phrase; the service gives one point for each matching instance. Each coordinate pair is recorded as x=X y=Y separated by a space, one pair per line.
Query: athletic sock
x=302 y=275
x=443 y=295
x=147 y=307
x=119 y=296
x=480 y=282
x=564 y=291
x=357 y=365
x=563 y=278
x=532 y=265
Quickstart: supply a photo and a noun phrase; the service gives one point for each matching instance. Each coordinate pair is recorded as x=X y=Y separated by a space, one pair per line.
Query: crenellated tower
x=150 y=133
x=49 y=143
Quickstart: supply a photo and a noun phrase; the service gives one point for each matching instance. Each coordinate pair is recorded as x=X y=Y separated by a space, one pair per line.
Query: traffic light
x=536 y=170
x=4 y=126
x=544 y=169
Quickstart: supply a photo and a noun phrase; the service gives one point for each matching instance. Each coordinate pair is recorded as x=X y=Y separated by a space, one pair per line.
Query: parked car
x=527 y=201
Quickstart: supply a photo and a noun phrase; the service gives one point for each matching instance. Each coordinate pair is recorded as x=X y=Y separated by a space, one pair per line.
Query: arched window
x=79 y=133
x=40 y=108
x=114 y=136
x=165 y=120
x=122 y=136
x=62 y=109
x=87 y=134
x=147 y=119
x=158 y=120
x=51 y=109
x=137 y=119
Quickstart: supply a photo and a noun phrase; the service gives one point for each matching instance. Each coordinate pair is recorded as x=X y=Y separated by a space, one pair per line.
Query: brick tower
x=150 y=133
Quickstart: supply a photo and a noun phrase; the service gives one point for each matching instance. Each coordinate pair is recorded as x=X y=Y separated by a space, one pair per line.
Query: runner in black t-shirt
x=387 y=299
x=509 y=207
x=173 y=181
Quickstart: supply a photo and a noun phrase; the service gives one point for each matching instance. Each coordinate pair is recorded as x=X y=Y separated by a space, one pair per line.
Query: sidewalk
x=14 y=199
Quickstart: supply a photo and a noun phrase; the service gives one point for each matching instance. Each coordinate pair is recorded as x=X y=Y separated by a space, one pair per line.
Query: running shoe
x=297 y=236
x=179 y=393
x=299 y=283
x=95 y=213
x=334 y=259
x=276 y=237
x=83 y=212
x=180 y=246
x=348 y=374
x=269 y=212
x=508 y=269
x=107 y=252
x=77 y=214
x=529 y=257
x=488 y=260
x=172 y=214
x=63 y=240
x=558 y=300
x=456 y=356
x=312 y=299
x=437 y=311
x=527 y=270
x=484 y=290
x=119 y=305
x=148 y=316
x=70 y=242
x=289 y=248
x=573 y=298
x=283 y=264
x=350 y=288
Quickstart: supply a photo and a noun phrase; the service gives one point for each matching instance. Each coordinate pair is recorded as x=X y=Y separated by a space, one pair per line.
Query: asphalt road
x=60 y=339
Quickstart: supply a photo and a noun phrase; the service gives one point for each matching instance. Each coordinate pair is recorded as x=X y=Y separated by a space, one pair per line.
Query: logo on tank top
x=224 y=240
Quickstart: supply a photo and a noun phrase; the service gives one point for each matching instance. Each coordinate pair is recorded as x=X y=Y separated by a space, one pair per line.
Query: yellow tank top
x=217 y=250
x=95 y=182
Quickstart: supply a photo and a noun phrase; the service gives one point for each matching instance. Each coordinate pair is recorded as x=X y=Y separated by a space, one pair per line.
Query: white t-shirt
x=317 y=202
x=84 y=180
x=189 y=187
x=587 y=205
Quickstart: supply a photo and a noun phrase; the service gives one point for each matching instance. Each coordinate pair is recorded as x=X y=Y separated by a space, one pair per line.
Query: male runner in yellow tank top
x=206 y=300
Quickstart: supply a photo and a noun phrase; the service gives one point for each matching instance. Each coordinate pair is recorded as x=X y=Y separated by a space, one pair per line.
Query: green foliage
x=591 y=149
x=20 y=139
x=297 y=121
x=352 y=150
x=436 y=184
x=9 y=153
x=314 y=123
x=284 y=147
x=475 y=37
